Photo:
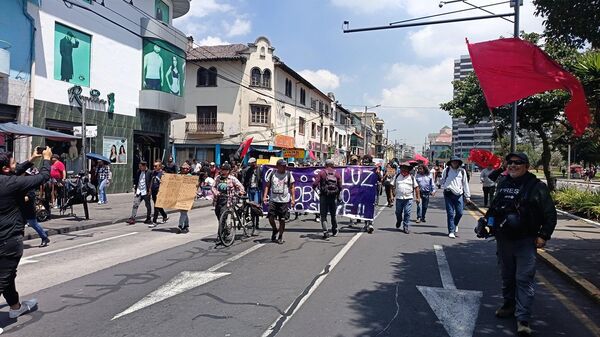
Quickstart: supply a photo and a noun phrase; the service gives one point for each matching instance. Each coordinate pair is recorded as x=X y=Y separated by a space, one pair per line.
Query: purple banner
x=359 y=189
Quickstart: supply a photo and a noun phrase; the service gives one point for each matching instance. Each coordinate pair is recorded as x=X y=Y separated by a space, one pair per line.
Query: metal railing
x=204 y=127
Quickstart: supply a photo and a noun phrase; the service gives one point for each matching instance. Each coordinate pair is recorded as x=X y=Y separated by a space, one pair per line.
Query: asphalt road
x=131 y=281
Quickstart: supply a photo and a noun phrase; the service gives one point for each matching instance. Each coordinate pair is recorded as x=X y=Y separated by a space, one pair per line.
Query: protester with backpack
x=329 y=185
x=406 y=189
x=456 y=187
x=523 y=218
x=280 y=189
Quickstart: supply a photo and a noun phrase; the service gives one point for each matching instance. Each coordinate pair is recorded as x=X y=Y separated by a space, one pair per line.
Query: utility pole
x=321 y=140
x=513 y=130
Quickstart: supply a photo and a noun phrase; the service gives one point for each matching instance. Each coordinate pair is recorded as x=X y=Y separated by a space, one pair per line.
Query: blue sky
x=408 y=71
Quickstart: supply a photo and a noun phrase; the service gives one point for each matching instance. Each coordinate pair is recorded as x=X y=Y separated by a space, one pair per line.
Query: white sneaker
x=25 y=307
x=456 y=229
x=452 y=236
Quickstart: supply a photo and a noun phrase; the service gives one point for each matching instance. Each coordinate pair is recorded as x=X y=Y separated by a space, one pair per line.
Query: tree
x=573 y=22
x=539 y=114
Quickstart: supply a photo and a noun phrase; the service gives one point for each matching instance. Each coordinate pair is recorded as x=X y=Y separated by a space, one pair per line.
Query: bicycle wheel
x=227 y=224
x=247 y=222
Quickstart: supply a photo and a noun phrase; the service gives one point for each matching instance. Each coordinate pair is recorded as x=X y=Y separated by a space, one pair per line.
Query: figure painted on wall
x=113 y=154
x=173 y=75
x=67 y=44
x=122 y=158
x=153 y=69
x=159 y=14
x=111 y=102
x=73 y=153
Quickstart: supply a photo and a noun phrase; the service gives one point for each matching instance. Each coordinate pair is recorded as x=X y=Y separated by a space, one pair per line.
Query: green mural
x=162 y=11
x=163 y=67
x=72 y=52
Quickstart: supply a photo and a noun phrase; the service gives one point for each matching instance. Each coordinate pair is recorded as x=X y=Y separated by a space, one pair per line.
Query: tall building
x=465 y=137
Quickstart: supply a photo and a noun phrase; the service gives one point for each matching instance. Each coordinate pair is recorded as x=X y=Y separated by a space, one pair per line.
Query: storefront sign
x=115 y=149
x=91 y=131
x=285 y=142
x=294 y=153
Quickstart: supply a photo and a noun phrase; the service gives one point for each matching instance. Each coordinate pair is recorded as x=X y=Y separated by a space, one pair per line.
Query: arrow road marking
x=186 y=280
x=31 y=259
x=456 y=309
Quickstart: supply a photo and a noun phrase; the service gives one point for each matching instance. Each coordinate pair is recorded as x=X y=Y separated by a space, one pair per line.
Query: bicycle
x=236 y=217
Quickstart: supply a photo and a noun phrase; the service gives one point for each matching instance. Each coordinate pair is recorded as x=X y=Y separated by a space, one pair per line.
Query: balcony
x=204 y=128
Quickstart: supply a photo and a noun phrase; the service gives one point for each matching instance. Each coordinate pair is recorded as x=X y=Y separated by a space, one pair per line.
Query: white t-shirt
x=153 y=63
x=405 y=186
x=279 y=191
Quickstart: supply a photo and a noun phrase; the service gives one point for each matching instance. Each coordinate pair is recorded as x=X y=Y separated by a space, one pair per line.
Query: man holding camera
x=523 y=217
x=12 y=225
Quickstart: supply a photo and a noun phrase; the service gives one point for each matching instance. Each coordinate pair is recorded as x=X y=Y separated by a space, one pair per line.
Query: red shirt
x=57 y=169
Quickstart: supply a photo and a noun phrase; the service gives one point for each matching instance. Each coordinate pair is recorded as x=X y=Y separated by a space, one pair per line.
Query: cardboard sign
x=294 y=153
x=177 y=191
x=262 y=162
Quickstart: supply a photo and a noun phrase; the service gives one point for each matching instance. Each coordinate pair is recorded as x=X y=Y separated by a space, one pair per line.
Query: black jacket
x=136 y=180
x=12 y=199
x=539 y=215
x=247 y=176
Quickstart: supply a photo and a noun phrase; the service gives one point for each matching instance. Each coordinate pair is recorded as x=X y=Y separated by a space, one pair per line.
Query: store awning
x=14 y=130
x=253 y=149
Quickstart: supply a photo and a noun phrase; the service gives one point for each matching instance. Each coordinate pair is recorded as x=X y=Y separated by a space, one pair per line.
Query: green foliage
x=582 y=203
x=573 y=22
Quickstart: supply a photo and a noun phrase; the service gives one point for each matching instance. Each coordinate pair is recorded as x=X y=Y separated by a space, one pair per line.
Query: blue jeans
x=254 y=194
x=184 y=220
x=422 y=206
x=102 y=191
x=454 y=209
x=38 y=228
x=403 y=209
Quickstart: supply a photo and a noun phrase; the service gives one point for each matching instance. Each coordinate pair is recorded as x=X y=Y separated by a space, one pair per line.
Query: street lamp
x=387 y=140
x=365 y=123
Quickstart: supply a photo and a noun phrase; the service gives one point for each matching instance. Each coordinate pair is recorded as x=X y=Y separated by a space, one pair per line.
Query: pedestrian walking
x=456 y=187
x=170 y=167
x=184 y=220
x=329 y=184
x=104 y=177
x=523 y=216
x=94 y=180
x=251 y=182
x=407 y=189
x=426 y=189
x=489 y=185
x=280 y=191
x=157 y=175
x=388 y=182
x=141 y=185
x=12 y=225
x=29 y=207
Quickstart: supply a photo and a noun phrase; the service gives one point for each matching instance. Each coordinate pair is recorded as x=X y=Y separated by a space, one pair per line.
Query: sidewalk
x=117 y=210
x=573 y=251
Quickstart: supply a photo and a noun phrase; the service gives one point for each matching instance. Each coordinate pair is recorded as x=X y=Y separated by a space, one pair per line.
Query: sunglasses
x=515 y=162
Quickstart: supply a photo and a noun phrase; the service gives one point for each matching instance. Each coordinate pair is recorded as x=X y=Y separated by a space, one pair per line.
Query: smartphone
x=39 y=150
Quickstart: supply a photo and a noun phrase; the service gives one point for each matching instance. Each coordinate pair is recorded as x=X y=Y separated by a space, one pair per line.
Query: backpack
x=460 y=170
x=330 y=186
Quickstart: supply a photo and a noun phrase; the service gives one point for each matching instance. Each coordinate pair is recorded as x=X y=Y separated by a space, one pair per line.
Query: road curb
x=68 y=229
x=573 y=216
x=579 y=281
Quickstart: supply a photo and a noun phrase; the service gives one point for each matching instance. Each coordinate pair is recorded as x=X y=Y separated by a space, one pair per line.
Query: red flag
x=511 y=69
x=243 y=149
x=483 y=158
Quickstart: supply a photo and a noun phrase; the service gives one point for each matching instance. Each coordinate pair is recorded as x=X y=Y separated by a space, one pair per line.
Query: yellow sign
x=293 y=153
x=177 y=191
x=273 y=160
x=262 y=162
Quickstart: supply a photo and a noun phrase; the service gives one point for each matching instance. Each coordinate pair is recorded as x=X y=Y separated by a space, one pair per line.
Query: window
x=259 y=114
x=202 y=77
x=262 y=52
x=326 y=109
x=321 y=106
x=206 y=114
x=325 y=133
x=288 y=88
x=255 y=77
x=266 y=80
x=302 y=126
x=313 y=130
x=313 y=104
x=161 y=11
x=302 y=96
x=212 y=77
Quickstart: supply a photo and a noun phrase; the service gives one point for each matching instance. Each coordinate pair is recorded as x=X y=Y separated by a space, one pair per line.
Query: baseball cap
x=251 y=160
x=282 y=162
x=329 y=162
x=212 y=163
x=520 y=155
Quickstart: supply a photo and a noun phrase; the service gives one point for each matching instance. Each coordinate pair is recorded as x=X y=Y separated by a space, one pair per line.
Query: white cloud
x=202 y=8
x=238 y=27
x=323 y=79
x=212 y=41
x=371 y=6
x=198 y=20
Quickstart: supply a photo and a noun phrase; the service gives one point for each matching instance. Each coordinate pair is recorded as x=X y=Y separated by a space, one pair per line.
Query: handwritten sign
x=294 y=153
x=177 y=191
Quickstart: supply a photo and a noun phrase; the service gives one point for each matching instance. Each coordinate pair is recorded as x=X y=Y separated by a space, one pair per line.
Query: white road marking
x=186 y=280
x=456 y=309
x=445 y=274
x=31 y=259
x=293 y=308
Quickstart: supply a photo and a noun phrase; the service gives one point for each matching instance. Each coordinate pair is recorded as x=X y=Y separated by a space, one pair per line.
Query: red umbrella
x=421 y=158
x=484 y=158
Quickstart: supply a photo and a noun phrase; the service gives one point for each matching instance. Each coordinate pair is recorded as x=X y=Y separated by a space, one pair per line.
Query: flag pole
x=513 y=131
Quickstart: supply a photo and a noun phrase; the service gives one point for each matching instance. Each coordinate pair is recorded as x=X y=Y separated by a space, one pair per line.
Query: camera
x=483 y=230
x=39 y=150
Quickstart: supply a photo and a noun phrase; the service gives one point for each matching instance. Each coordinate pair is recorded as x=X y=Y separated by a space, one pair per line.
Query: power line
x=451 y=12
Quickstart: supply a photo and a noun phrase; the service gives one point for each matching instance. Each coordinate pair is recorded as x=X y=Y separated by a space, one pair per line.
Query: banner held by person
x=177 y=192
x=357 y=197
